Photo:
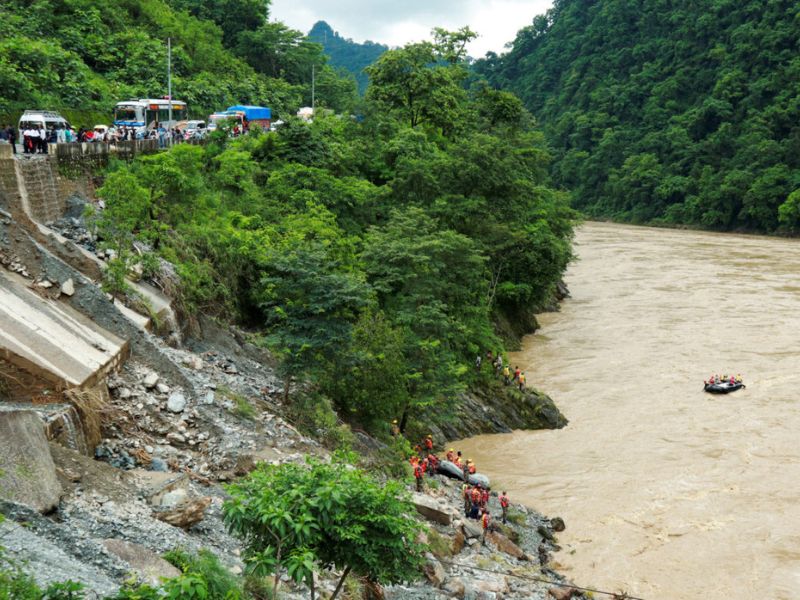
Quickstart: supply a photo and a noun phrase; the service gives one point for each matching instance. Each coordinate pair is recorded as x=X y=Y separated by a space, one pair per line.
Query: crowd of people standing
x=35 y=139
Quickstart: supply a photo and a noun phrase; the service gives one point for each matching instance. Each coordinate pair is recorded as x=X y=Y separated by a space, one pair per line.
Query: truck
x=245 y=115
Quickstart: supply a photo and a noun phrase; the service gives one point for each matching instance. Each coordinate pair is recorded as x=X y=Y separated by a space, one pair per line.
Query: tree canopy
x=371 y=255
x=84 y=56
x=677 y=112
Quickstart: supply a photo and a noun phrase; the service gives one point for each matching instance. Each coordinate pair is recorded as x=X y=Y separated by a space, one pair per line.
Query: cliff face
x=500 y=409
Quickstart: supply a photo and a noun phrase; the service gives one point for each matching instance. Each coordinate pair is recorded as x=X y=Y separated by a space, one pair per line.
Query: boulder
x=456 y=587
x=185 y=515
x=557 y=524
x=506 y=545
x=434 y=572
x=492 y=585
x=147 y=564
x=561 y=593
x=27 y=472
x=150 y=380
x=431 y=509
x=472 y=529
x=68 y=287
x=176 y=402
x=458 y=541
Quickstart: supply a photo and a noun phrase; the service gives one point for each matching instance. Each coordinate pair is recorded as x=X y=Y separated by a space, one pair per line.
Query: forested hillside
x=345 y=53
x=373 y=256
x=680 y=112
x=83 y=56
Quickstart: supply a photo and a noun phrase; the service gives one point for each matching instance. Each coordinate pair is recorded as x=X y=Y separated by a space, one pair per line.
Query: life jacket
x=485 y=520
x=506 y=372
x=428 y=444
x=472 y=469
x=476 y=495
x=449 y=456
x=417 y=471
x=732 y=379
x=485 y=497
x=504 y=501
x=516 y=374
x=522 y=378
x=465 y=490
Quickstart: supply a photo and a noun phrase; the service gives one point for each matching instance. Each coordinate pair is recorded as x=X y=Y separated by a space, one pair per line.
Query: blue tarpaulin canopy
x=252 y=113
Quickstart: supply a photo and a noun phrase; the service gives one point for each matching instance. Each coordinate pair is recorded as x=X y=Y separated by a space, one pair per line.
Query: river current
x=667 y=491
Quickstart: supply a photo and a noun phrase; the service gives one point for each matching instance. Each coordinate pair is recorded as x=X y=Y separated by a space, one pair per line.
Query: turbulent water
x=668 y=492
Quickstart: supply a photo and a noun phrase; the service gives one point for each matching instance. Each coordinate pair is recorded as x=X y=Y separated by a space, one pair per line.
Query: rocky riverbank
x=176 y=423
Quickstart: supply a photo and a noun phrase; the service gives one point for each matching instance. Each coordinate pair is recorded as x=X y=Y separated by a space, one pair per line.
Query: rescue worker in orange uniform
x=418 y=475
x=504 y=506
x=485 y=521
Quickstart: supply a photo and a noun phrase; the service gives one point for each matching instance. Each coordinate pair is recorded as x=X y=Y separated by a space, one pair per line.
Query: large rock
x=472 y=529
x=456 y=587
x=27 y=473
x=434 y=572
x=506 y=545
x=147 y=564
x=176 y=402
x=561 y=593
x=431 y=509
x=185 y=515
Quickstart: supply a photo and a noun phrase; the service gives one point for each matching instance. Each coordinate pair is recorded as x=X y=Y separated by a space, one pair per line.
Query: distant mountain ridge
x=345 y=53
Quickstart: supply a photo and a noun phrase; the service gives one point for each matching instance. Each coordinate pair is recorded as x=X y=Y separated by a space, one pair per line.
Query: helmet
x=451 y=450
x=429 y=435
x=394 y=420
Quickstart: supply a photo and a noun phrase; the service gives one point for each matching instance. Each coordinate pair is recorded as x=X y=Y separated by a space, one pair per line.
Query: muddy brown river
x=667 y=492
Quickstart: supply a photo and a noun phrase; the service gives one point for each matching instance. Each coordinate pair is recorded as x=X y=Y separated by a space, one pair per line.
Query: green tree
x=296 y=518
x=409 y=81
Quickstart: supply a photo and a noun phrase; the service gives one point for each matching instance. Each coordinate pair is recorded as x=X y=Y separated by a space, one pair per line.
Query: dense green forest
x=373 y=255
x=345 y=53
x=83 y=56
x=676 y=112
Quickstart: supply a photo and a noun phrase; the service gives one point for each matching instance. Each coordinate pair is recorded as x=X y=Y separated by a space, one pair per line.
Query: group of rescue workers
x=502 y=369
x=425 y=462
x=716 y=379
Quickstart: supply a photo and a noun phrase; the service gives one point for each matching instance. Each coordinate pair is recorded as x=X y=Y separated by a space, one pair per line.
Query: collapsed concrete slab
x=51 y=341
x=27 y=472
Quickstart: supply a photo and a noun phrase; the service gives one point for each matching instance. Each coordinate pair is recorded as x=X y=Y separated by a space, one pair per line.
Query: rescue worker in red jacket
x=476 y=495
x=429 y=443
x=485 y=521
x=484 y=497
x=504 y=506
x=419 y=473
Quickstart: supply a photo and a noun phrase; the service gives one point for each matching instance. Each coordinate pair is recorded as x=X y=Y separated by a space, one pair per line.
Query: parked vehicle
x=42 y=118
x=253 y=116
x=146 y=113
x=193 y=129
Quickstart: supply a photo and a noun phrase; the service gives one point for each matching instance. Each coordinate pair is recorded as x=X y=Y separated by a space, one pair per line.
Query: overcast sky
x=395 y=22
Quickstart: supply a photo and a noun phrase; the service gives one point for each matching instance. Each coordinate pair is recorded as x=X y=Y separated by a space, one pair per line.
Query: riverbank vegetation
x=680 y=113
x=372 y=255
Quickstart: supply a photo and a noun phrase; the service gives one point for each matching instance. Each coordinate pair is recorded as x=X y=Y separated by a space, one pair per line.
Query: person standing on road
x=11 y=136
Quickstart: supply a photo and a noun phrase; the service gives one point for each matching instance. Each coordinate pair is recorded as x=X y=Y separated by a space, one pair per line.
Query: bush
x=221 y=583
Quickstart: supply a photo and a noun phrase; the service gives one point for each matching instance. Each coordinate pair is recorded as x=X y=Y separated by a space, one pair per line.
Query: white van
x=42 y=118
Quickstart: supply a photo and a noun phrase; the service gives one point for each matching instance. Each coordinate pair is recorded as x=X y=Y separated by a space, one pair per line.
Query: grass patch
x=516 y=517
x=242 y=407
x=441 y=546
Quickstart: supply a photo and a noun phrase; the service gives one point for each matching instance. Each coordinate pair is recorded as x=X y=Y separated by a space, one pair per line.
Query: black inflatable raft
x=723 y=388
x=450 y=470
x=478 y=479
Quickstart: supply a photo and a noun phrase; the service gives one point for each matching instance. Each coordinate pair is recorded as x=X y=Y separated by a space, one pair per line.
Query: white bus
x=147 y=112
